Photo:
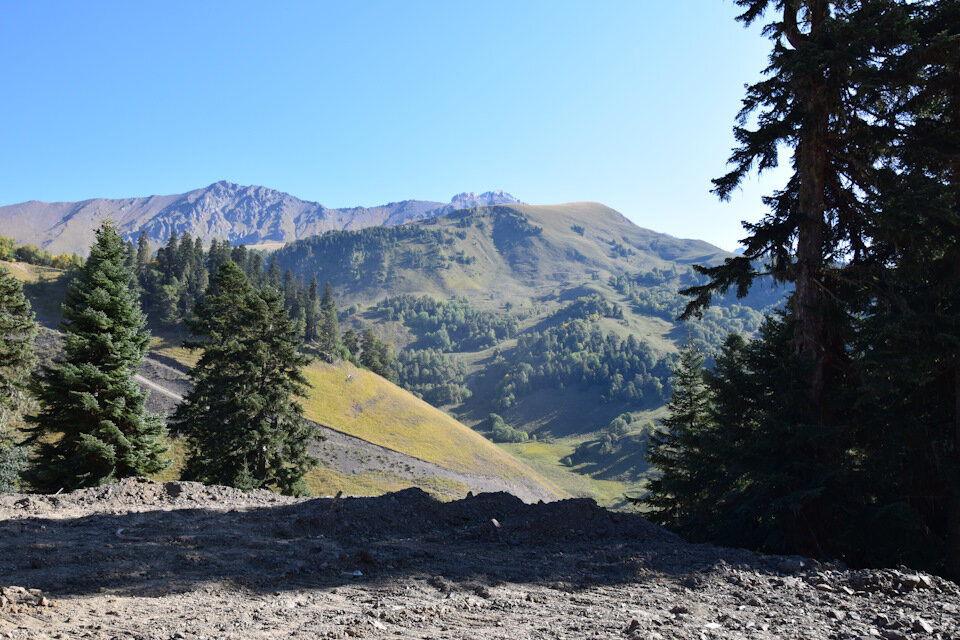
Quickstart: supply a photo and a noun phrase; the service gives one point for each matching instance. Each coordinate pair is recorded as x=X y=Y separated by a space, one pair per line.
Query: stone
x=922 y=626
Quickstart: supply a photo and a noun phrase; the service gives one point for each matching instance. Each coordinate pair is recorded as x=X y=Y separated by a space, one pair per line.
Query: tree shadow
x=324 y=543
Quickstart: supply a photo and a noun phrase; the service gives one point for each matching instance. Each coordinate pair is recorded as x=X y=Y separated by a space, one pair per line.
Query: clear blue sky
x=348 y=103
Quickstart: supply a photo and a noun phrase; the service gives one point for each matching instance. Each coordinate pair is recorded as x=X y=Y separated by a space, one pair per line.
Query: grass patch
x=364 y=405
x=544 y=458
x=327 y=482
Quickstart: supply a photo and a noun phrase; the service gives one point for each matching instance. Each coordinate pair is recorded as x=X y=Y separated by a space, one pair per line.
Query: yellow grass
x=30 y=272
x=544 y=458
x=362 y=404
x=327 y=482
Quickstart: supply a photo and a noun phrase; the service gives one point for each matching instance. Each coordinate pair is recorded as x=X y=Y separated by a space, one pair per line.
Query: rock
x=910 y=580
x=836 y=614
x=790 y=565
x=633 y=626
x=922 y=626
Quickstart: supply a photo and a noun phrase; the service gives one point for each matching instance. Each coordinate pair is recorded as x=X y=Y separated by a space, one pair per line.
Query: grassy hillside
x=562 y=318
x=361 y=404
x=45 y=287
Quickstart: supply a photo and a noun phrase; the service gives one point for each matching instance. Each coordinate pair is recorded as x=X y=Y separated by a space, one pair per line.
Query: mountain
x=241 y=214
x=561 y=319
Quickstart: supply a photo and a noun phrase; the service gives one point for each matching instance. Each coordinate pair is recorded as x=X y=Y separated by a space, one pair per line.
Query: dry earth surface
x=180 y=560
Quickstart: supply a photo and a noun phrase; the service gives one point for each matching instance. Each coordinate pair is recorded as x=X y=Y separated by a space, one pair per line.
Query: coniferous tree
x=909 y=329
x=17 y=360
x=311 y=330
x=820 y=99
x=376 y=355
x=681 y=452
x=89 y=397
x=218 y=254
x=241 y=419
x=351 y=342
x=240 y=257
x=143 y=254
x=329 y=330
x=274 y=274
x=255 y=271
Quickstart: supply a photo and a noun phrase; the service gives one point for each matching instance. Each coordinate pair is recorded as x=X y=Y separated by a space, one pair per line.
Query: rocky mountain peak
x=469 y=199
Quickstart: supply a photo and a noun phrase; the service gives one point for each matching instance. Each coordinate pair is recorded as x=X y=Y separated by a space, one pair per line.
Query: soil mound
x=139 y=559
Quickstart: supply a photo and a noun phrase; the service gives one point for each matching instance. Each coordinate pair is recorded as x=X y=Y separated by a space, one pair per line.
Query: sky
x=629 y=103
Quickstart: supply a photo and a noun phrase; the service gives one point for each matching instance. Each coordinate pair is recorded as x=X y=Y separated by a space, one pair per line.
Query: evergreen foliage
x=577 y=354
x=92 y=409
x=452 y=325
x=377 y=355
x=17 y=360
x=500 y=431
x=680 y=451
x=836 y=433
x=432 y=375
x=241 y=420
x=328 y=338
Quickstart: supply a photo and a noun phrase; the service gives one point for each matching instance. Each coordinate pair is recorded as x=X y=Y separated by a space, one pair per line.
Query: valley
x=555 y=323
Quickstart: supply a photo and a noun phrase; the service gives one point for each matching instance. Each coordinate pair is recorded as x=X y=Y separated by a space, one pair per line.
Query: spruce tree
x=351 y=342
x=17 y=360
x=311 y=332
x=89 y=397
x=825 y=82
x=682 y=451
x=329 y=330
x=242 y=421
x=143 y=254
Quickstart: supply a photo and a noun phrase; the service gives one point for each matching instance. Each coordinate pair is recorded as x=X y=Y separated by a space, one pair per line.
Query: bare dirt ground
x=179 y=560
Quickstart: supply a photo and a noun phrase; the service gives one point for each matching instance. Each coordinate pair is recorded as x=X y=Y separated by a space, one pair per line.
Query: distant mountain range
x=241 y=214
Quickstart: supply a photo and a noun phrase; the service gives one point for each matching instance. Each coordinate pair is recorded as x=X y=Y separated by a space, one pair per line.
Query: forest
x=835 y=432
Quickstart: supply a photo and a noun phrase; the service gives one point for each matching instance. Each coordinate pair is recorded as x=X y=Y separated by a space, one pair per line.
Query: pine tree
x=89 y=397
x=824 y=85
x=143 y=254
x=241 y=419
x=376 y=356
x=311 y=330
x=908 y=343
x=682 y=451
x=329 y=329
x=17 y=360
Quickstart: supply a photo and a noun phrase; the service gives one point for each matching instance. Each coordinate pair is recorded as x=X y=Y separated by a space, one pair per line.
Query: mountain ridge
x=242 y=214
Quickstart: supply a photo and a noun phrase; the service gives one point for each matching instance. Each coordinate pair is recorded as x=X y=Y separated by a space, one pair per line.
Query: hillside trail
x=180 y=560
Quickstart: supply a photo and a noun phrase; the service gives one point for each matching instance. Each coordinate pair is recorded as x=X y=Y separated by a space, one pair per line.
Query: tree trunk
x=953 y=488
x=812 y=163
